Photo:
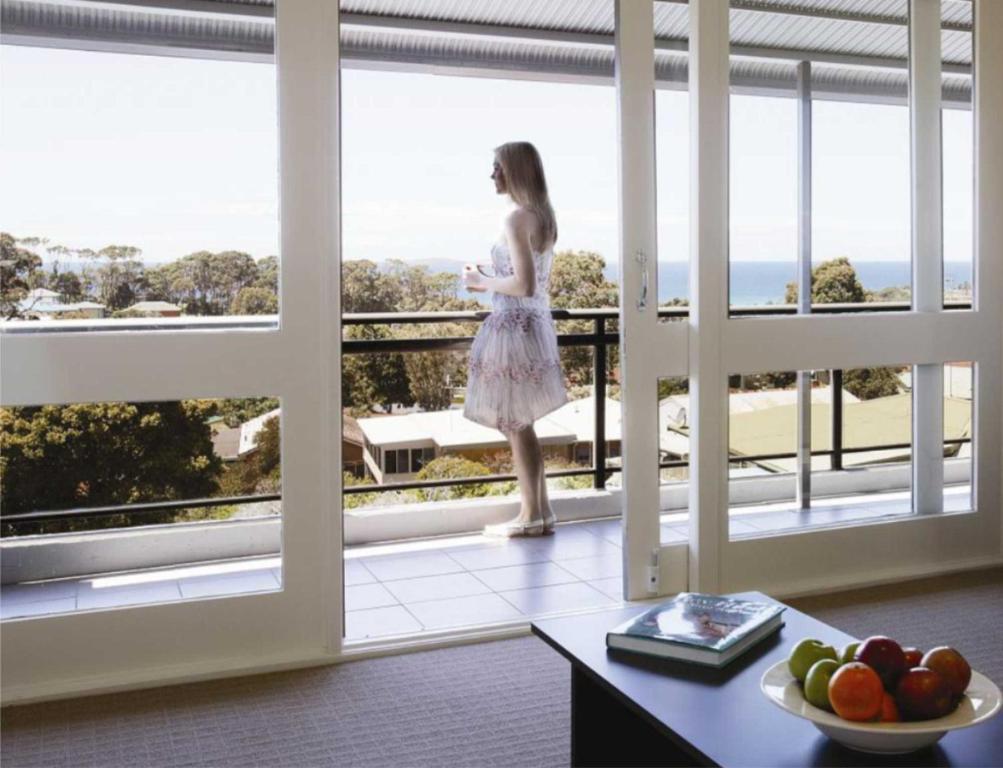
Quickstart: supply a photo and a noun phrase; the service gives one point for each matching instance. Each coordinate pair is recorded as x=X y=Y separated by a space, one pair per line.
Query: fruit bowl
x=981 y=702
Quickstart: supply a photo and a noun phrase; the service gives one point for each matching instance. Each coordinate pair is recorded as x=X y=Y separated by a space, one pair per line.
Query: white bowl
x=981 y=702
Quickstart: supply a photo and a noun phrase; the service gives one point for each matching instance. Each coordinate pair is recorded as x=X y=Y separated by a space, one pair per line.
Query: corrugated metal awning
x=859 y=46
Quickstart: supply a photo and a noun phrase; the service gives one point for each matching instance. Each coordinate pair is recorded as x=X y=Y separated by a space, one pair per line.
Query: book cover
x=709 y=622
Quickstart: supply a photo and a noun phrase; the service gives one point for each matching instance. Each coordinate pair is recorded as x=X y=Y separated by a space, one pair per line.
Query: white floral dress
x=515 y=372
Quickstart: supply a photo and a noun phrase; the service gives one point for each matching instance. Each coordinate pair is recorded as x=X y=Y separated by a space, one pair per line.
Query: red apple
x=923 y=694
x=951 y=666
x=913 y=656
x=884 y=656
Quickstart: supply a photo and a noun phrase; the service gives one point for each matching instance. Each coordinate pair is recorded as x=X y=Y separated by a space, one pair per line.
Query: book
x=702 y=629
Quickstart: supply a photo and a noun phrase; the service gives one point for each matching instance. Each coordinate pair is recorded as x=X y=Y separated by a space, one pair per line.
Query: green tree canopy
x=85 y=455
x=18 y=268
x=255 y=300
x=236 y=410
x=425 y=378
x=203 y=283
x=577 y=282
x=869 y=383
x=453 y=468
x=832 y=282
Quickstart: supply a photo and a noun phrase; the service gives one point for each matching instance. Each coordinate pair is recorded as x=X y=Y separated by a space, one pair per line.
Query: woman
x=515 y=373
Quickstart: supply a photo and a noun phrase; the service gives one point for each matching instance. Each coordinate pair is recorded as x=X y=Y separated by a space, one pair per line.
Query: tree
x=119 y=275
x=86 y=455
x=204 y=283
x=453 y=468
x=254 y=300
x=353 y=500
x=365 y=289
x=773 y=380
x=386 y=379
x=268 y=274
x=236 y=410
x=267 y=456
x=577 y=281
x=373 y=379
x=832 y=282
x=66 y=284
x=18 y=268
x=673 y=385
x=432 y=376
x=870 y=383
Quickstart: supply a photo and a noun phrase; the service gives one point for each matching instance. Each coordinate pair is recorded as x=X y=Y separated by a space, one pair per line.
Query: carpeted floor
x=493 y=704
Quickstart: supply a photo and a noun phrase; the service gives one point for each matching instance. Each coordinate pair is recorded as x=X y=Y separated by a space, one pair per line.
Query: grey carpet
x=493 y=704
x=489 y=704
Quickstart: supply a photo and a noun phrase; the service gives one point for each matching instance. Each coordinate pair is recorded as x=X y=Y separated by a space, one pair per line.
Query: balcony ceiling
x=859 y=46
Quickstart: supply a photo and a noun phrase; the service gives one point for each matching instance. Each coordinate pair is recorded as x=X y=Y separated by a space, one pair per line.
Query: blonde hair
x=526 y=183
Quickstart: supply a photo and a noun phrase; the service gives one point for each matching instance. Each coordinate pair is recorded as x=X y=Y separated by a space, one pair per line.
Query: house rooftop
x=571 y=423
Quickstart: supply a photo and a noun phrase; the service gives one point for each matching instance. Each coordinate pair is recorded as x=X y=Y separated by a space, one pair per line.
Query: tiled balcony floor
x=450 y=582
x=137 y=587
x=466 y=580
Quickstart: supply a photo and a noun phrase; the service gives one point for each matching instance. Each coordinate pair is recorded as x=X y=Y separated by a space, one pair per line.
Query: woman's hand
x=473 y=280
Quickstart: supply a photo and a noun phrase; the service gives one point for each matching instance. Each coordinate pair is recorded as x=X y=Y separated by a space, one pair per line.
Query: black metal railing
x=600 y=338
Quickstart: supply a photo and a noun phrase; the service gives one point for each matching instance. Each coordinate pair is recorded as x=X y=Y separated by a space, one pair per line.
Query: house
x=240 y=442
x=43 y=304
x=154 y=309
x=397 y=447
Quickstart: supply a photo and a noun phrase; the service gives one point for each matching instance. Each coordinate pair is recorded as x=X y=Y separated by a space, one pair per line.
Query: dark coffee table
x=633 y=710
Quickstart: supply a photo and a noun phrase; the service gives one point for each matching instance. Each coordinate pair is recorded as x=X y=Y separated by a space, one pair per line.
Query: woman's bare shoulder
x=522 y=220
x=524 y=223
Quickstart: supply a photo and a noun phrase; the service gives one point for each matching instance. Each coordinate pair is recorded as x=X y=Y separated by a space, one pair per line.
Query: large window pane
x=860 y=216
x=763 y=209
x=672 y=142
x=179 y=496
x=137 y=188
x=959 y=415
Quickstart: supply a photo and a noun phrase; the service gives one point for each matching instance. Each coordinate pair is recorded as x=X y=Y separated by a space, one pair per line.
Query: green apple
x=816 y=684
x=806 y=653
x=847 y=652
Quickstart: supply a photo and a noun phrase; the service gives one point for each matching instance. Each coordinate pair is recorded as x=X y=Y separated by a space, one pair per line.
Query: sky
x=177 y=155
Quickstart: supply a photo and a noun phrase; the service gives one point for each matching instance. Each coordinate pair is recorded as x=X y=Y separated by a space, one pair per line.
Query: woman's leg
x=528 y=460
x=545 y=508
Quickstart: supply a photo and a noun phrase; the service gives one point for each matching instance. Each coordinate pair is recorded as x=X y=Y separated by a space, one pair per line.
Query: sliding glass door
x=834 y=396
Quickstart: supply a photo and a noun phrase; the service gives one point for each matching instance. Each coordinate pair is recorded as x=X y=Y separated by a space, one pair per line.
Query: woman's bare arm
x=522 y=281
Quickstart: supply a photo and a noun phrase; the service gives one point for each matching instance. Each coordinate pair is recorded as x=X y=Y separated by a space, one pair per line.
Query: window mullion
x=927 y=246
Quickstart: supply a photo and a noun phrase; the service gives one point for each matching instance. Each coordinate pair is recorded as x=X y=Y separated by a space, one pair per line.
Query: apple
x=847 y=651
x=913 y=656
x=816 y=684
x=922 y=694
x=884 y=656
x=806 y=653
x=951 y=666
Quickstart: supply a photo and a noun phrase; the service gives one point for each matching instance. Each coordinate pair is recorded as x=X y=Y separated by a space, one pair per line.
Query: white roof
x=42 y=293
x=52 y=307
x=249 y=431
x=155 y=306
x=571 y=423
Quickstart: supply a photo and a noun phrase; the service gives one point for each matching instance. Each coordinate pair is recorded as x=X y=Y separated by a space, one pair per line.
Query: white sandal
x=514 y=528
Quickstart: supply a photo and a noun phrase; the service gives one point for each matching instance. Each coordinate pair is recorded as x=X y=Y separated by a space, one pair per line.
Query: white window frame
x=300 y=362
x=301 y=624
x=926 y=337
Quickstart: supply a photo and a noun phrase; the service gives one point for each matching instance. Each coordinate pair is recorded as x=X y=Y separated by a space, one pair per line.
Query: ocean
x=764 y=282
x=759 y=282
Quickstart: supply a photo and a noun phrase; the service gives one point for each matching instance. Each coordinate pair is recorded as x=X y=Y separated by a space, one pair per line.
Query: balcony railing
x=601 y=336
